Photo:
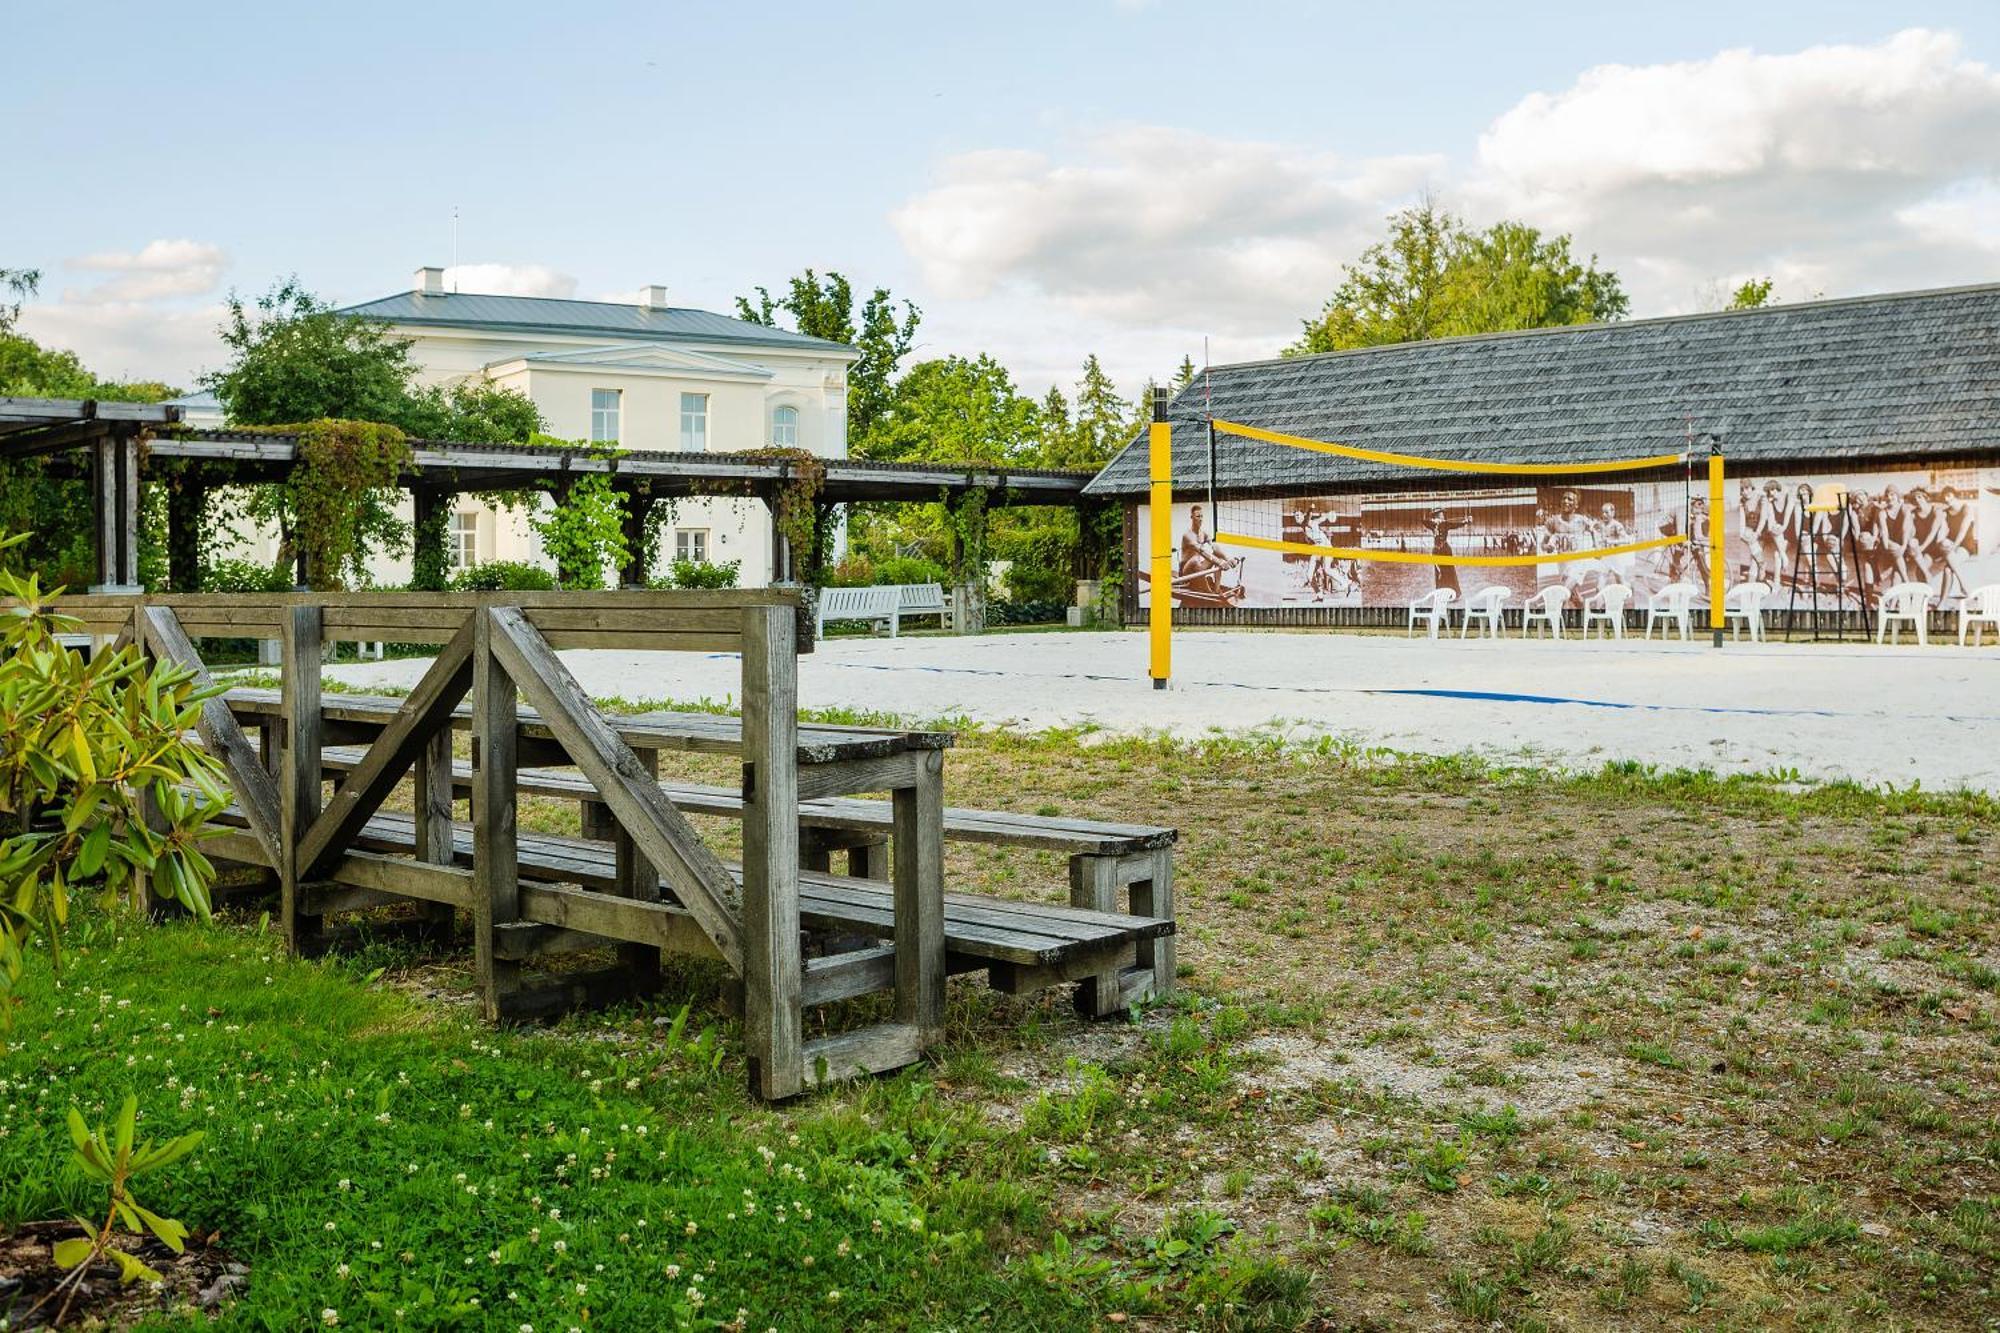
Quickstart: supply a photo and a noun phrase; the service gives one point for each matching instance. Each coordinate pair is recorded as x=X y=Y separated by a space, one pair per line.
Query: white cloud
x=1837 y=169
x=509 y=280
x=133 y=340
x=1967 y=215
x=159 y=270
x=1151 y=225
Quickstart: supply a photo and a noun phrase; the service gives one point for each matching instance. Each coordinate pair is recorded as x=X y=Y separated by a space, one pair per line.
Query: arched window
x=785 y=428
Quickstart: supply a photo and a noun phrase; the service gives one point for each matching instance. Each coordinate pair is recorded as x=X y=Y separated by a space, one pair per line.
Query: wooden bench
x=880 y=605
x=1022 y=947
x=1107 y=861
x=884 y=604
x=924 y=599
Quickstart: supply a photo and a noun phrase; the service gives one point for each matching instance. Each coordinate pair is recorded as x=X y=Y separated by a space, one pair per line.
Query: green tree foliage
x=1184 y=376
x=1434 y=277
x=824 y=308
x=1753 y=294
x=954 y=410
x=295 y=358
x=470 y=412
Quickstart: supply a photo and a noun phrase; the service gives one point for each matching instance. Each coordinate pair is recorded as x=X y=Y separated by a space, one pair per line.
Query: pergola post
x=430 y=531
x=187 y=496
x=636 y=515
x=115 y=490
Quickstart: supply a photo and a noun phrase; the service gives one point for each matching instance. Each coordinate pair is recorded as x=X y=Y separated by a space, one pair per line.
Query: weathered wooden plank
x=698 y=879
x=433 y=798
x=253 y=787
x=1153 y=896
x=772 y=969
x=1093 y=886
x=301 y=777
x=303 y=769
x=838 y=777
x=1084 y=965
x=859 y=816
x=424 y=712
x=636 y=878
x=918 y=871
x=659 y=925
x=843 y=976
x=496 y=895
x=872 y=1050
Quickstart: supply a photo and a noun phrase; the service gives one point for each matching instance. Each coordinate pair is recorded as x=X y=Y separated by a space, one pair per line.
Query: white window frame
x=605 y=420
x=784 y=420
x=464 y=538
x=691 y=544
x=694 y=423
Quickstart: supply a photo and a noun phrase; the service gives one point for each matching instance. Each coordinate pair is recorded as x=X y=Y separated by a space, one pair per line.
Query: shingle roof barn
x=1909 y=375
x=539 y=314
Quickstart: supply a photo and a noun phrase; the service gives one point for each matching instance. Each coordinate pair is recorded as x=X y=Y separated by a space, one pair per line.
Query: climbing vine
x=340 y=497
x=966 y=521
x=430 y=558
x=583 y=530
x=795 y=501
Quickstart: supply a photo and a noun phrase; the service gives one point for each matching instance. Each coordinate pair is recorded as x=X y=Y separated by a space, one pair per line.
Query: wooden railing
x=672 y=892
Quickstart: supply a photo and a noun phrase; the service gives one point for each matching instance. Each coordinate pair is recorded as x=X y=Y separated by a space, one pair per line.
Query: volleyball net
x=1636 y=521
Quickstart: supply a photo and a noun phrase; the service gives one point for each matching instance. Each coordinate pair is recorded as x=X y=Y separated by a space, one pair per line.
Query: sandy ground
x=1875 y=715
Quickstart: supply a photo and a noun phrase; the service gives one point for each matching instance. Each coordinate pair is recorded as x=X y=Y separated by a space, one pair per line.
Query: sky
x=1119 y=177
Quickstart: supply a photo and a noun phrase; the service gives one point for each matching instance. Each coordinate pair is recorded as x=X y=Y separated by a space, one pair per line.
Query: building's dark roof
x=538 y=314
x=1907 y=375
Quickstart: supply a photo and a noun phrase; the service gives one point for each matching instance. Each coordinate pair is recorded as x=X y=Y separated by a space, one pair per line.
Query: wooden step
x=978 y=930
x=1088 y=837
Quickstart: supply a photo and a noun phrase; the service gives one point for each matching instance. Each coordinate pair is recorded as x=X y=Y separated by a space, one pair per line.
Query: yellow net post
x=1718 y=575
x=1160 y=449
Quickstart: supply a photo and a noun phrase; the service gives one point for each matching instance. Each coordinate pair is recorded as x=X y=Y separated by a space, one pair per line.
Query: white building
x=641 y=375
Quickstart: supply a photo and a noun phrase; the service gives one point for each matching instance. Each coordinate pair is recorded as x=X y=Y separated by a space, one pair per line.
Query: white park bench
x=924 y=599
x=882 y=604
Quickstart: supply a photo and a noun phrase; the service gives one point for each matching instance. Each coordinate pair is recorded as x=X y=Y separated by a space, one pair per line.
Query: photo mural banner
x=1939 y=526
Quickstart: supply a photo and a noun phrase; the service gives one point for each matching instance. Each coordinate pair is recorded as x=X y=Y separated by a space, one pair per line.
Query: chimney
x=430 y=281
x=653 y=296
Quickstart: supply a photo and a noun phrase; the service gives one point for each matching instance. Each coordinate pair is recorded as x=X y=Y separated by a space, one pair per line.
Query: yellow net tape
x=1451 y=465
x=1428 y=558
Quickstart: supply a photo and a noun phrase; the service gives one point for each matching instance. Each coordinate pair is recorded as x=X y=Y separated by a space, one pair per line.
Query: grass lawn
x=1457 y=1047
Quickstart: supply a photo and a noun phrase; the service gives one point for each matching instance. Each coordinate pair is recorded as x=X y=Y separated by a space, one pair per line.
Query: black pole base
x=1159 y=682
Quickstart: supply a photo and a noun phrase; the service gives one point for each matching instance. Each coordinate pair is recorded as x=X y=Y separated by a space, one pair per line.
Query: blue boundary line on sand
x=1472 y=696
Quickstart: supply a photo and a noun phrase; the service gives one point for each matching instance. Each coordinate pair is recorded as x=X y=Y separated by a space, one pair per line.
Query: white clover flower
x=328 y=1316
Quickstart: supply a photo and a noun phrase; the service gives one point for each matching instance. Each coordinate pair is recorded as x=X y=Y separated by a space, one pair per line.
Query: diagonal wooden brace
x=426 y=711
x=703 y=884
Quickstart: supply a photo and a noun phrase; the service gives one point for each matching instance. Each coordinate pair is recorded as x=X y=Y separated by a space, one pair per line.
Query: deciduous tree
x=1433 y=277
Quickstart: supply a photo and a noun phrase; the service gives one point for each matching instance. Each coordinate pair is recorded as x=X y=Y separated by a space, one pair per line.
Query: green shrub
x=504 y=576
x=851 y=571
x=104 y=782
x=909 y=569
x=246 y=576
x=702 y=574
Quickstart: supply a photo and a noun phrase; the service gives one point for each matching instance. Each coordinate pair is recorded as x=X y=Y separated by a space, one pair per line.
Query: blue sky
x=1047 y=180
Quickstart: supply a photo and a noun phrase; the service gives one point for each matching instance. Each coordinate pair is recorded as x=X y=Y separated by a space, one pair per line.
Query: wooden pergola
x=438 y=470
x=110 y=433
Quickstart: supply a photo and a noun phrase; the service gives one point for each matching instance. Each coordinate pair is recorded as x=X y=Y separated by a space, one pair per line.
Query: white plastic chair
x=1673 y=604
x=1486 y=605
x=1547 y=607
x=1607 y=609
x=1905 y=604
x=1980 y=608
x=1433 y=609
x=1745 y=602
